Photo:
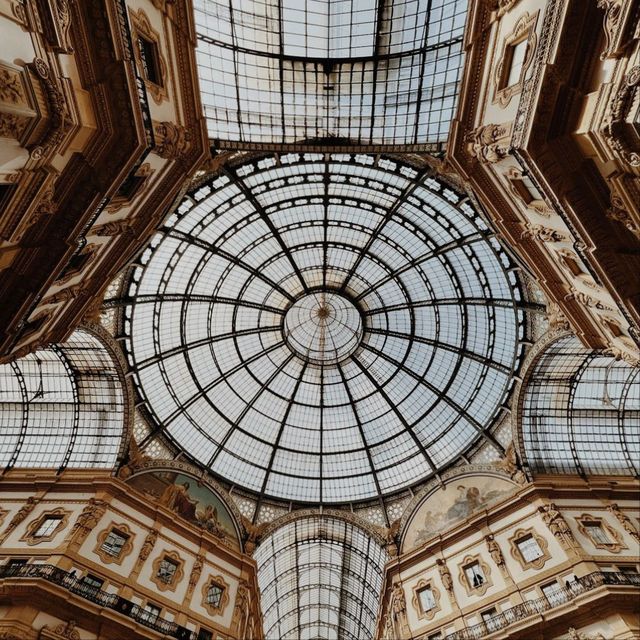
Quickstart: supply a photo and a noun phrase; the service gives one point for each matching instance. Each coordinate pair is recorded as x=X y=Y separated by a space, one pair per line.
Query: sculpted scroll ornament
x=611 y=24
x=544 y=234
x=488 y=143
x=172 y=141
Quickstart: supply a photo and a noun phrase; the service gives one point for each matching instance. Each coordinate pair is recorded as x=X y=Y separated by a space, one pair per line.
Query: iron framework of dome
x=324 y=328
x=370 y=72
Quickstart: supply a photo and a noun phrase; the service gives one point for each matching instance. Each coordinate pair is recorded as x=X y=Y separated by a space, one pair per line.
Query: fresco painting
x=192 y=501
x=456 y=501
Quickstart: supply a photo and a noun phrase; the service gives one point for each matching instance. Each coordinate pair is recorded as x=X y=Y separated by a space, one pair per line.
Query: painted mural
x=452 y=503
x=190 y=499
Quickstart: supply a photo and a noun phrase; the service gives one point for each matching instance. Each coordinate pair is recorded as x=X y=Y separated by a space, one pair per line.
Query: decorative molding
x=489 y=143
x=496 y=554
x=63 y=631
x=615 y=121
x=512 y=175
x=196 y=571
x=146 y=549
x=19 y=516
x=445 y=577
x=415 y=601
x=510 y=465
x=127 y=547
x=575 y=635
x=481 y=589
x=171 y=584
x=538 y=563
x=399 y=612
x=172 y=141
x=88 y=519
x=544 y=234
x=524 y=29
x=625 y=521
x=218 y=581
x=586 y=519
x=556 y=523
x=32 y=527
x=144 y=172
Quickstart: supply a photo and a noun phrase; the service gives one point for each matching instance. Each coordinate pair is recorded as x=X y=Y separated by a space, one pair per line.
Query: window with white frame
x=529 y=548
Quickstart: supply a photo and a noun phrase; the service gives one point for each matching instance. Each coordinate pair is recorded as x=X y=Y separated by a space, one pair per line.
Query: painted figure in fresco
x=176 y=497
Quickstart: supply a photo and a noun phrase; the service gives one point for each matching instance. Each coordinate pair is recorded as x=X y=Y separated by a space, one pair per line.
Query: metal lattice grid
x=324 y=328
x=581 y=413
x=372 y=71
x=62 y=406
x=320 y=577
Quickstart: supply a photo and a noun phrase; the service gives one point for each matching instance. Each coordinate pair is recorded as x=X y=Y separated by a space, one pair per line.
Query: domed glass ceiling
x=370 y=71
x=324 y=328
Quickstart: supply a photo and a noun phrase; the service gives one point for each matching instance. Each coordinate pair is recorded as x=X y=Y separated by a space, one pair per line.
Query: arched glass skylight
x=320 y=577
x=62 y=406
x=324 y=328
x=371 y=71
x=581 y=413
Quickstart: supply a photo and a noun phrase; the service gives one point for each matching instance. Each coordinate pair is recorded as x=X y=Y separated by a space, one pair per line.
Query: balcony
x=113 y=601
x=534 y=607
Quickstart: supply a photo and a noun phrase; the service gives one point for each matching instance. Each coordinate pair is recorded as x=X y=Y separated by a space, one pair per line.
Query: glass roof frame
x=264 y=81
x=580 y=412
x=394 y=197
x=338 y=556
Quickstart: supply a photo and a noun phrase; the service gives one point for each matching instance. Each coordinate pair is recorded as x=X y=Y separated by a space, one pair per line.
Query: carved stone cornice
x=615 y=126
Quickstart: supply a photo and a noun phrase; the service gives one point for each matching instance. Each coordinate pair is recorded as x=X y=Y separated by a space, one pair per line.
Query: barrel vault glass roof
x=370 y=71
x=324 y=328
x=320 y=577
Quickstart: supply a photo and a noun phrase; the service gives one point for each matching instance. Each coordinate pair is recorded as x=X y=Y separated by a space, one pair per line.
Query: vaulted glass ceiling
x=324 y=328
x=368 y=71
x=320 y=578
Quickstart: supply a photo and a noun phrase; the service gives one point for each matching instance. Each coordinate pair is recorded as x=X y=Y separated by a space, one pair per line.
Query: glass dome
x=324 y=328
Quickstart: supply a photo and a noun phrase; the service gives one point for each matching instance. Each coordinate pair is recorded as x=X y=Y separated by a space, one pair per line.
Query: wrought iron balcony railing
x=532 y=607
x=113 y=601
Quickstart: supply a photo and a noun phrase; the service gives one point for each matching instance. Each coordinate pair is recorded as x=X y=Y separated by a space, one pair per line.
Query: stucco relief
x=453 y=503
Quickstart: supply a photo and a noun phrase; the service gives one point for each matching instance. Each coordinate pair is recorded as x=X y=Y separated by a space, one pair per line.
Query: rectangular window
x=514 y=59
x=214 y=594
x=205 y=634
x=475 y=576
x=47 y=526
x=114 y=542
x=597 y=533
x=150 y=60
x=554 y=593
x=167 y=570
x=529 y=548
x=426 y=599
